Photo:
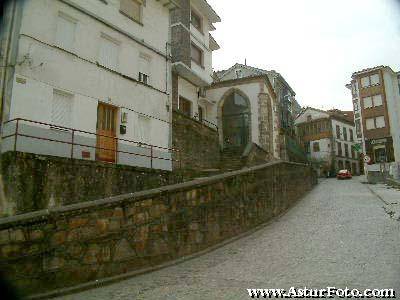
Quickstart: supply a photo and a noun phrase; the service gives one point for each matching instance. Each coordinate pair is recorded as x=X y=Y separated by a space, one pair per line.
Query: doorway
x=106 y=130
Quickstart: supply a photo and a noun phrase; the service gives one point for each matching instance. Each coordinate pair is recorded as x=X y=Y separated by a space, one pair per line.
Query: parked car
x=343 y=174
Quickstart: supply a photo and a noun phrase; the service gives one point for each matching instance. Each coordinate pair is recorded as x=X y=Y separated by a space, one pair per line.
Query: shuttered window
x=367 y=102
x=65 y=35
x=132 y=9
x=377 y=100
x=380 y=122
x=144 y=129
x=374 y=79
x=197 y=55
x=370 y=123
x=108 y=55
x=61 y=109
x=144 y=69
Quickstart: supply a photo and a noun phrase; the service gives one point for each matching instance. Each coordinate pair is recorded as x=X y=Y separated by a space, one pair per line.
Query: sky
x=315 y=45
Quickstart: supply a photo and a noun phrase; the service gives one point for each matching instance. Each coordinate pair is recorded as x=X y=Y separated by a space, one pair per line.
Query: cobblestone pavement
x=338 y=235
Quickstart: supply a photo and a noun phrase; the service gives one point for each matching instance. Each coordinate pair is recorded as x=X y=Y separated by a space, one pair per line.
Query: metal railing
x=17 y=133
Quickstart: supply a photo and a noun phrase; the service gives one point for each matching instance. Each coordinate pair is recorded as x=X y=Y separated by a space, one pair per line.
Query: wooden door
x=106 y=130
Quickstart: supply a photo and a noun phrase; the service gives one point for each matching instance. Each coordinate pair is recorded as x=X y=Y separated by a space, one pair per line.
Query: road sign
x=367 y=159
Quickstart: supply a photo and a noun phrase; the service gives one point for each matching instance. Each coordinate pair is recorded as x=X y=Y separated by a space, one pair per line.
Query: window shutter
x=380 y=122
x=365 y=81
x=367 y=102
x=370 y=123
x=61 y=112
x=65 y=32
x=131 y=8
x=374 y=79
x=108 y=53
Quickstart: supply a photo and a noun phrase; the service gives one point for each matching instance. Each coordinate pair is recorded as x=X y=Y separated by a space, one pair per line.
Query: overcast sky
x=315 y=44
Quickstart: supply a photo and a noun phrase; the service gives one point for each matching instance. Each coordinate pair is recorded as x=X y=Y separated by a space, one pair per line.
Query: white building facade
x=100 y=67
x=329 y=140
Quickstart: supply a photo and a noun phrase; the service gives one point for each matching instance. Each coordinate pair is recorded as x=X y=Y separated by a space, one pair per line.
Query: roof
x=258 y=71
x=212 y=16
x=347 y=116
x=371 y=69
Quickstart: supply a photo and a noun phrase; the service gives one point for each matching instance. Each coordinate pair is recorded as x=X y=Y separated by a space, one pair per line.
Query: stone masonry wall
x=198 y=143
x=33 y=182
x=65 y=246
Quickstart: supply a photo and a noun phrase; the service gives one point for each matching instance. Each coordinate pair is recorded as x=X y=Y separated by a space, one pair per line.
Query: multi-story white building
x=99 y=66
x=376 y=102
x=329 y=138
x=191 y=46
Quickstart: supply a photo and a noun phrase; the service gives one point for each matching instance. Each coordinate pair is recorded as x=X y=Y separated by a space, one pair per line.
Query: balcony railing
x=74 y=133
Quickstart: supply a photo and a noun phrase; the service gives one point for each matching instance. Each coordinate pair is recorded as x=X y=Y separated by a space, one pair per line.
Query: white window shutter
x=367 y=102
x=380 y=122
x=374 y=79
x=65 y=32
x=108 y=53
x=61 y=111
x=370 y=123
x=365 y=81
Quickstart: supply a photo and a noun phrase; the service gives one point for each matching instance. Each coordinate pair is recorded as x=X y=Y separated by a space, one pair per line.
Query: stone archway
x=235 y=120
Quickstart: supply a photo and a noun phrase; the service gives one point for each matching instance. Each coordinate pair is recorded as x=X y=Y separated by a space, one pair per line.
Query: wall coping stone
x=54 y=213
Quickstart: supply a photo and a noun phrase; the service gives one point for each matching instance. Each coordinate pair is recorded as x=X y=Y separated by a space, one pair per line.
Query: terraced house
x=89 y=80
x=328 y=138
x=376 y=102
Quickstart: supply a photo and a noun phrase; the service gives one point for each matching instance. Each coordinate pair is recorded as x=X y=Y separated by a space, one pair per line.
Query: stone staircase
x=231 y=159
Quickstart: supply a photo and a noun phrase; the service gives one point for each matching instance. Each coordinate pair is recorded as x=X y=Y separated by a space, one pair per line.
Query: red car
x=343 y=174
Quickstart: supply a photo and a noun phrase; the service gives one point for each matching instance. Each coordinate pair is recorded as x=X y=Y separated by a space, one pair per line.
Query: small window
x=238 y=73
x=380 y=122
x=370 y=123
x=337 y=131
x=144 y=69
x=65 y=35
x=353 y=154
x=365 y=81
x=345 y=133
x=132 y=9
x=185 y=106
x=201 y=113
x=346 y=150
x=197 y=55
x=374 y=79
x=377 y=100
x=61 y=109
x=195 y=20
x=109 y=50
x=367 y=102
x=339 y=148
x=316 y=147
x=351 y=135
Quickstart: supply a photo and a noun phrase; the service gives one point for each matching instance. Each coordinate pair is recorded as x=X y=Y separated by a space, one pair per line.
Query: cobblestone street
x=338 y=235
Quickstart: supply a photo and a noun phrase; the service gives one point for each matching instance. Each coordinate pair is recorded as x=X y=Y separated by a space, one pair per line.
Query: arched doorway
x=235 y=121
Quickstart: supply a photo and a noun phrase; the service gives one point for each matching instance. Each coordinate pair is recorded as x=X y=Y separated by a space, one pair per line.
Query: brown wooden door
x=106 y=130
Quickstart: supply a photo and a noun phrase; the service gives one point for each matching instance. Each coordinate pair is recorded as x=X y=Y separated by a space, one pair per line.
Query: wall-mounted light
x=124 y=117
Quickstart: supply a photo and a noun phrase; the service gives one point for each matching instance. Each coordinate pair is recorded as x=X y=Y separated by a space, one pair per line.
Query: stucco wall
x=77 y=72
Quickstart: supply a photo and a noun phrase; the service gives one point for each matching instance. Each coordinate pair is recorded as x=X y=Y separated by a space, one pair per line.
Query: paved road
x=338 y=235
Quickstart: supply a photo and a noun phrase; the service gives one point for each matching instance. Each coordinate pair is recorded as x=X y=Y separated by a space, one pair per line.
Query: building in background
x=284 y=108
x=328 y=137
x=191 y=46
x=376 y=102
x=100 y=67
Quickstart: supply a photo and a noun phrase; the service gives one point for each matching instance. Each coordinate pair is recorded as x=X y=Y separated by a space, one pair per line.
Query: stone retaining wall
x=65 y=246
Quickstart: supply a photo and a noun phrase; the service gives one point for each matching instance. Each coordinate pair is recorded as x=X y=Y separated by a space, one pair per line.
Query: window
x=356 y=106
x=144 y=68
x=195 y=20
x=367 y=102
x=370 y=80
x=353 y=154
x=338 y=131
x=370 y=123
x=132 y=9
x=377 y=99
x=351 y=135
x=374 y=79
x=185 y=106
x=307 y=147
x=65 y=35
x=144 y=129
x=200 y=109
x=346 y=150
x=316 y=147
x=345 y=133
x=197 y=55
x=380 y=122
x=339 y=148
x=61 y=109
x=358 y=128
x=109 y=50
x=238 y=73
